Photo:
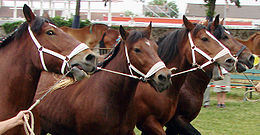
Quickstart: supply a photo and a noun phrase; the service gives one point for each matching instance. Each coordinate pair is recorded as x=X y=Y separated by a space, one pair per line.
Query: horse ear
x=28 y=14
x=187 y=23
x=123 y=33
x=148 y=30
x=215 y=23
x=46 y=15
x=222 y=21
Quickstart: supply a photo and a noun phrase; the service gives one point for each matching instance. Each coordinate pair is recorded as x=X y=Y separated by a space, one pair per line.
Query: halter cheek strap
x=156 y=67
x=65 y=59
x=223 y=52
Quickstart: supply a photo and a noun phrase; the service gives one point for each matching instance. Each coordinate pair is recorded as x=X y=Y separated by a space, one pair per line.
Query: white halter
x=81 y=47
x=156 y=67
x=220 y=54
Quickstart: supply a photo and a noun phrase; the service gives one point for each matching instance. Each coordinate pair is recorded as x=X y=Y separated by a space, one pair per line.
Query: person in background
x=257 y=87
x=206 y=98
x=221 y=91
x=13 y=122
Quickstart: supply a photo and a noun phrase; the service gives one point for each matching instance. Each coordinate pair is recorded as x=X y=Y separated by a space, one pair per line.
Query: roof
x=247 y=12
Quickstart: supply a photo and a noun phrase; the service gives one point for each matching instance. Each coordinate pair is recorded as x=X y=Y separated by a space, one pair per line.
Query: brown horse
x=155 y=109
x=101 y=104
x=91 y=35
x=108 y=40
x=35 y=46
x=253 y=43
x=191 y=92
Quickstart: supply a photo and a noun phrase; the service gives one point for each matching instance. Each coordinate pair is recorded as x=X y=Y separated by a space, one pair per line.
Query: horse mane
x=219 y=30
x=18 y=32
x=168 y=44
x=101 y=42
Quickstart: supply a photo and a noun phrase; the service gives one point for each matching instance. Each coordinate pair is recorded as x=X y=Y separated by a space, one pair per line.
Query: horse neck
x=122 y=88
x=180 y=61
x=197 y=81
x=18 y=76
x=248 y=42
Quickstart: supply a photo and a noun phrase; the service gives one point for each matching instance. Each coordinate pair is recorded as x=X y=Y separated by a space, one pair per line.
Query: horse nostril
x=251 y=59
x=230 y=60
x=162 y=77
x=90 y=57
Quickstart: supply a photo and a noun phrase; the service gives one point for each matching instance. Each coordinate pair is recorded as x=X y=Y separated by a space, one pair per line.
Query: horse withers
x=103 y=104
x=35 y=46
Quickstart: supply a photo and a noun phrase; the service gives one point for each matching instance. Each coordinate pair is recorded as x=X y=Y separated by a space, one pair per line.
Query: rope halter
x=211 y=60
x=156 y=67
x=220 y=54
x=81 y=47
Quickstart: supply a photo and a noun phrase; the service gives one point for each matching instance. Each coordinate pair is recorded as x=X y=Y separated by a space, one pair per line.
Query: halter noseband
x=223 y=52
x=156 y=67
x=81 y=47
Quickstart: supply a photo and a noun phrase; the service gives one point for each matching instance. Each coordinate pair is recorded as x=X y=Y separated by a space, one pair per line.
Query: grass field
x=238 y=118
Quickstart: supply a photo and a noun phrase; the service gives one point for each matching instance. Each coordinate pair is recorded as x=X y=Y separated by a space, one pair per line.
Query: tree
x=170 y=8
x=211 y=7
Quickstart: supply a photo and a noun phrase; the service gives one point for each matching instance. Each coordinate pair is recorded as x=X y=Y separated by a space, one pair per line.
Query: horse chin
x=159 y=87
x=240 y=67
x=78 y=74
x=88 y=67
x=217 y=73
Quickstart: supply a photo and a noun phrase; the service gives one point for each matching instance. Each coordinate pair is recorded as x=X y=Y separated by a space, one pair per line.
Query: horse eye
x=204 y=39
x=137 y=50
x=50 y=32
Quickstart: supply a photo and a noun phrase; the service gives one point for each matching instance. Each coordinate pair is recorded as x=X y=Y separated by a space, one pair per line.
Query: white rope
x=29 y=128
x=194 y=48
x=81 y=47
x=119 y=73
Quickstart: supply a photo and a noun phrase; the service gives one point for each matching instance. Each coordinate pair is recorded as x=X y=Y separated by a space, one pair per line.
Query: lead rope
x=156 y=67
x=29 y=128
x=245 y=94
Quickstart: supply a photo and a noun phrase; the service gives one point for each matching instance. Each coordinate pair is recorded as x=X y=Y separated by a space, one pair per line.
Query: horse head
x=54 y=50
x=205 y=48
x=240 y=51
x=141 y=54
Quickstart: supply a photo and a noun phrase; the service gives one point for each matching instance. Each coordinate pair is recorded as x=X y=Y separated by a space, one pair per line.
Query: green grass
x=238 y=118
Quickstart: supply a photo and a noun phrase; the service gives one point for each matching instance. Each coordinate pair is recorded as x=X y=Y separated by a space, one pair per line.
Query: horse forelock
x=135 y=36
x=197 y=28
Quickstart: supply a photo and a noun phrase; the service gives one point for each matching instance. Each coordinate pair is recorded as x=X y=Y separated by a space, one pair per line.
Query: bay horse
x=253 y=43
x=155 y=109
x=90 y=35
x=191 y=92
x=100 y=105
x=108 y=40
x=35 y=46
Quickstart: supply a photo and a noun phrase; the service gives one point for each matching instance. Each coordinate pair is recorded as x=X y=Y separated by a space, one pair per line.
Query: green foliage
x=9 y=27
x=158 y=2
x=59 y=21
x=129 y=13
x=171 y=5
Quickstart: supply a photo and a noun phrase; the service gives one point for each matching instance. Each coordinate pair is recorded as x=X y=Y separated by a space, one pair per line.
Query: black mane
x=219 y=31
x=17 y=33
x=168 y=44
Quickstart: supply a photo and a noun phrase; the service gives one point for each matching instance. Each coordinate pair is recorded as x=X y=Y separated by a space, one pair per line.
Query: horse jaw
x=216 y=73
